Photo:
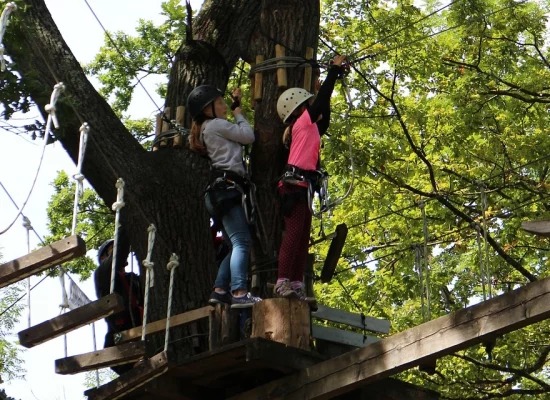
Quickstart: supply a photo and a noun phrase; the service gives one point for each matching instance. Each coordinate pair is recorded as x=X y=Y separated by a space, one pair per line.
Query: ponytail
x=195 y=142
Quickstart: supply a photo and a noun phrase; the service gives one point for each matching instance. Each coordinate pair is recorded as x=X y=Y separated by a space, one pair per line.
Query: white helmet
x=290 y=100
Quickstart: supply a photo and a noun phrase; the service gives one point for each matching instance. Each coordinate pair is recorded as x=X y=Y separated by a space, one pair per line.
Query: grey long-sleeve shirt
x=224 y=141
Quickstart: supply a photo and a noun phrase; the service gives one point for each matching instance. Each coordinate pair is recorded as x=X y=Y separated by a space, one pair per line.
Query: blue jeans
x=233 y=270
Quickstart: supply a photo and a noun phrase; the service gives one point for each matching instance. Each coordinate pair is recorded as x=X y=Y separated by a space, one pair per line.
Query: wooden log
x=281 y=72
x=308 y=71
x=282 y=320
x=352 y=319
x=258 y=84
x=41 y=259
x=131 y=380
x=160 y=325
x=539 y=228
x=108 y=357
x=71 y=320
x=434 y=339
x=180 y=120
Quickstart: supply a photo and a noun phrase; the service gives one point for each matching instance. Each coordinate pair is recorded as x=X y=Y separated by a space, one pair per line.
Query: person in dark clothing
x=306 y=123
x=127 y=285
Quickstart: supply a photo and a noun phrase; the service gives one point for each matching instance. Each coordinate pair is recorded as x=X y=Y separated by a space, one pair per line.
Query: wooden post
x=308 y=71
x=165 y=126
x=224 y=326
x=281 y=72
x=158 y=126
x=258 y=84
x=282 y=320
x=180 y=120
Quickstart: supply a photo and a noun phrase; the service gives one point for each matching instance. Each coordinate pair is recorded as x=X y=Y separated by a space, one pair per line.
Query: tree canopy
x=437 y=152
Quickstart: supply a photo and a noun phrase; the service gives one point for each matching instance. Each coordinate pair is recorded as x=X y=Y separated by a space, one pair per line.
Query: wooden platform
x=539 y=228
x=241 y=365
x=41 y=259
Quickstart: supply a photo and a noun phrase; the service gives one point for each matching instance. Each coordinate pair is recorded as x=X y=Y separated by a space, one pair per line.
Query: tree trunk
x=165 y=187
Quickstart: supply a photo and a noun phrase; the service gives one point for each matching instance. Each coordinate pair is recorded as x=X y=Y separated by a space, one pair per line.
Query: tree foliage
x=437 y=152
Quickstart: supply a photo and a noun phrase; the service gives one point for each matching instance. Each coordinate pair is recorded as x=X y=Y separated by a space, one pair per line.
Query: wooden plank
x=341 y=336
x=352 y=319
x=131 y=380
x=71 y=320
x=42 y=259
x=281 y=72
x=540 y=228
x=308 y=71
x=404 y=350
x=160 y=325
x=258 y=84
x=109 y=357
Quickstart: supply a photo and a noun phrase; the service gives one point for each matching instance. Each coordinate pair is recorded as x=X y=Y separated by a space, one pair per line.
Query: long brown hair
x=195 y=142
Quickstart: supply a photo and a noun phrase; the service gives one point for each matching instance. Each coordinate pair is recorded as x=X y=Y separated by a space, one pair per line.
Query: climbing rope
x=28 y=226
x=50 y=109
x=10 y=7
x=149 y=277
x=117 y=206
x=78 y=177
x=171 y=266
x=486 y=272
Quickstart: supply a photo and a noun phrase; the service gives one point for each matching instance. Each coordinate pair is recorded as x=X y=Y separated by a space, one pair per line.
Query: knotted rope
x=78 y=177
x=171 y=266
x=149 y=277
x=10 y=7
x=117 y=206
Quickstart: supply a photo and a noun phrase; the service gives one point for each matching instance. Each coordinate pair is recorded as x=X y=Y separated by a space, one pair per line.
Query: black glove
x=236 y=103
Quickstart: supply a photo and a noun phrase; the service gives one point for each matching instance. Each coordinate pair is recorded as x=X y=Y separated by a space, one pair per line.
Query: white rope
x=117 y=206
x=78 y=177
x=58 y=88
x=10 y=7
x=149 y=276
x=28 y=226
x=171 y=266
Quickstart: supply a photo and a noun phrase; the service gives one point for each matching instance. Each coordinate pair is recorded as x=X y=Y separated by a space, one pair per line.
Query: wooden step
x=131 y=380
x=109 y=357
x=160 y=325
x=71 y=320
x=41 y=259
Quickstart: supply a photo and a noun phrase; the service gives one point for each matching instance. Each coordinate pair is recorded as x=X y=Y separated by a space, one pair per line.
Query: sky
x=19 y=163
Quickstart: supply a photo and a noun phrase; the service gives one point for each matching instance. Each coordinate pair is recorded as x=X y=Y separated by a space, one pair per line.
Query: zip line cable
x=122 y=55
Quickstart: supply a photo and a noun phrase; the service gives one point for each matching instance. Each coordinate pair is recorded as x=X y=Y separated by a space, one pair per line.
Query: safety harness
x=316 y=180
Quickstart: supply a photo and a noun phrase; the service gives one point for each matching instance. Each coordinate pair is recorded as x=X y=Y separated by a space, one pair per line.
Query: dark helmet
x=200 y=97
x=104 y=246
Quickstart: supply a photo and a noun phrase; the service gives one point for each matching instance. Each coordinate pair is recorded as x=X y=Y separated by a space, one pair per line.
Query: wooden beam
x=352 y=319
x=71 y=320
x=160 y=325
x=404 y=350
x=41 y=259
x=108 y=357
x=341 y=336
x=540 y=228
x=131 y=380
